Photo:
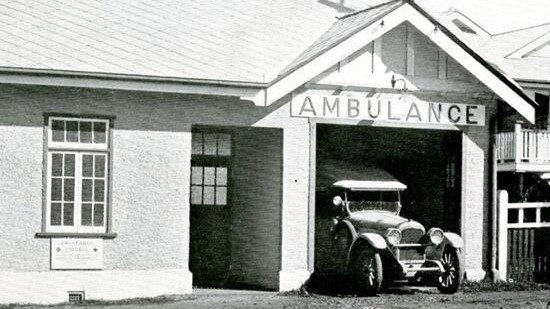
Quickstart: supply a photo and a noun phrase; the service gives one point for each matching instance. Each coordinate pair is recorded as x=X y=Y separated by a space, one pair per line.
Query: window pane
x=68 y=214
x=224 y=144
x=87 y=189
x=69 y=164
x=57 y=164
x=196 y=143
x=99 y=190
x=56 y=189
x=58 y=130
x=72 y=131
x=221 y=176
x=196 y=175
x=208 y=196
x=68 y=189
x=85 y=132
x=86 y=214
x=55 y=214
x=98 y=214
x=209 y=177
x=221 y=195
x=87 y=165
x=196 y=195
x=99 y=133
x=100 y=165
x=545 y=214
x=209 y=144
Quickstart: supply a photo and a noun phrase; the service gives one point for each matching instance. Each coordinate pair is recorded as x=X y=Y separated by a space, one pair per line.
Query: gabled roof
x=341 y=30
x=347 y=37
x=271 y=46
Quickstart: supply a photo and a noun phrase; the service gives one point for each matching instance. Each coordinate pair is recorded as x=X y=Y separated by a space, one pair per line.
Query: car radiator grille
x=411 y=236
x=410 y=254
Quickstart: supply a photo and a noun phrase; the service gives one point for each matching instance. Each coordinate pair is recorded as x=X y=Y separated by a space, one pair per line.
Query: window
x=77 y=174
x=463 y=27
x=210 y=168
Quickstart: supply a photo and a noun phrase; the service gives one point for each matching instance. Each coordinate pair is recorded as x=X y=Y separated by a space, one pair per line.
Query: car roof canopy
x=356 y=177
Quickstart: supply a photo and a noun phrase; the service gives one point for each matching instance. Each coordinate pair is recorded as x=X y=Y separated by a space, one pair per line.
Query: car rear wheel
x=449 y=280
x=366 y=270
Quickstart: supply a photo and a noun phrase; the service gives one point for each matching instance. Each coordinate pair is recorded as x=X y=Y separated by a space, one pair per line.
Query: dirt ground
x=395 y=299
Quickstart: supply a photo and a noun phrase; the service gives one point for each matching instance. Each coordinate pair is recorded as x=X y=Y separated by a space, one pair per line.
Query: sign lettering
x=392 y=110
x=76 y=253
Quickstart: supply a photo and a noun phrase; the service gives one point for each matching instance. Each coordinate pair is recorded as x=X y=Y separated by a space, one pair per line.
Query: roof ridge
x=523 y=29
x=368 y=9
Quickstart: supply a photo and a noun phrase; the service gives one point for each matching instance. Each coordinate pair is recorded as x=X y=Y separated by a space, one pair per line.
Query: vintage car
x=373 y=245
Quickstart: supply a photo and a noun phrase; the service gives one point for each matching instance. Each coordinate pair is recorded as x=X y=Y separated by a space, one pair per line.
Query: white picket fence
x=523 y=247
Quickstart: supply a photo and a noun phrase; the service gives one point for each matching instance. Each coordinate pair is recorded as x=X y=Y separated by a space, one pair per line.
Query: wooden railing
x=524 y=232
x=523 y=145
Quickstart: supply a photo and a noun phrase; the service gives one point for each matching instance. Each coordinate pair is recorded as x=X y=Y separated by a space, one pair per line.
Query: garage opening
x=235 y=200
x=428 y=162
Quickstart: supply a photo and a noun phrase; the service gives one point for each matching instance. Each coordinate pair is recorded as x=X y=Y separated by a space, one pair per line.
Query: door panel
x=210 y=249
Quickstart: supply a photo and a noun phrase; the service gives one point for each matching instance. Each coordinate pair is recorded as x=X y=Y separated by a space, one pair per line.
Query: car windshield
x=373 y=200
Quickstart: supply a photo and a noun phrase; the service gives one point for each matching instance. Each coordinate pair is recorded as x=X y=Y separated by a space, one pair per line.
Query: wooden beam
x=410 y=51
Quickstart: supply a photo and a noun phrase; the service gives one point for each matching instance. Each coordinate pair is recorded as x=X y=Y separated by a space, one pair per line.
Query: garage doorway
x=427 y=161
x=236 y=198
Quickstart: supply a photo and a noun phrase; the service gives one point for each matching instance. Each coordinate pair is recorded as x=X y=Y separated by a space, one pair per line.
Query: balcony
x=523 y=150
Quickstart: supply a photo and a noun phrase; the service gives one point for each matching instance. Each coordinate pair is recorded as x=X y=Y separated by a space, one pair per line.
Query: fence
x=524 y=240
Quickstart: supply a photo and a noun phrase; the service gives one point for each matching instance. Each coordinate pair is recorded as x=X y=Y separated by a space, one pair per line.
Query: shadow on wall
x=134 y=110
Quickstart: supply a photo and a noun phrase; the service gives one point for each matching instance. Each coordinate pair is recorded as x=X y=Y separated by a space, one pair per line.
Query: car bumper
x=421 y=267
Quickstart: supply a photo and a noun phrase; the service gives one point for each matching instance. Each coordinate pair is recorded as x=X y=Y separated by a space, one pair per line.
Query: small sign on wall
x=76 y=253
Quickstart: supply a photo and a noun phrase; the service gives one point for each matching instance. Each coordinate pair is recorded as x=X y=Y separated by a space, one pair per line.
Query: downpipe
x=494 y=205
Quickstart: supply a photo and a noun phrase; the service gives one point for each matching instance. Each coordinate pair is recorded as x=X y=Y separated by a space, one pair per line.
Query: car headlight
x=337 y=201
x=393 y=236
x=436 y=236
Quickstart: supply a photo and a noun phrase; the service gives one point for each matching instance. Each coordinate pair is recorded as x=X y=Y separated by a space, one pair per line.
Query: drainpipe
x=493 y=121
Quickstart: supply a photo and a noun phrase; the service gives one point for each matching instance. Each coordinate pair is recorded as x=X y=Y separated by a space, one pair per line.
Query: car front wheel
x=366 y=270
x=449 y=280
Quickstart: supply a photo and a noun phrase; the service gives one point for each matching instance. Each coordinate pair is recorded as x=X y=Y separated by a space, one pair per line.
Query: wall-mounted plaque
x=76 y=253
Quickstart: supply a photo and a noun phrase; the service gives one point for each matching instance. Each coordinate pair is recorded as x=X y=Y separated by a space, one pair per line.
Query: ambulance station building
x=150 y=148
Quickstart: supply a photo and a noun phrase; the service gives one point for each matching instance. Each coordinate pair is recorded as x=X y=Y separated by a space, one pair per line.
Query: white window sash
x=78 y=145
x=77 y=226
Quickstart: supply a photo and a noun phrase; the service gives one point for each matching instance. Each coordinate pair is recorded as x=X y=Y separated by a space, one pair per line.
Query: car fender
x=454 y=240
x=347 y=225
x=376 y=241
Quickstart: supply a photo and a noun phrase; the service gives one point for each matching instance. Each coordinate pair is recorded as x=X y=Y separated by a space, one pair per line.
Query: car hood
x=380 y=221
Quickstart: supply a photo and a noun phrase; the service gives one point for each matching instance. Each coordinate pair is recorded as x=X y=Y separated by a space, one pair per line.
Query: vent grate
x=76 y=297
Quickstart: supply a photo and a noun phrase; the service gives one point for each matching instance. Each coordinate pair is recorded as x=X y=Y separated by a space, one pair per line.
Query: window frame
x=215 y=161
x=78 y=145
x=79 y=149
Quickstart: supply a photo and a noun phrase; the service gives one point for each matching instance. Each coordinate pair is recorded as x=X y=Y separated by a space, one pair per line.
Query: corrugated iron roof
x=238 y=40
x=227 y=40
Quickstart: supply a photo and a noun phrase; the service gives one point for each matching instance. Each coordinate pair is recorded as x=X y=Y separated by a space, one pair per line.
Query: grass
x=341 y=287
x=501 y=286
x=140 y=301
